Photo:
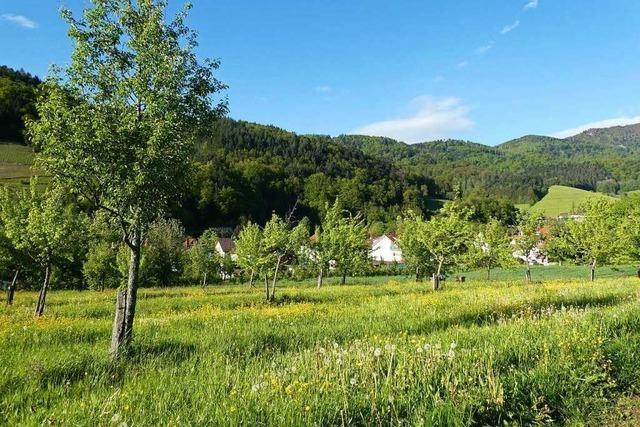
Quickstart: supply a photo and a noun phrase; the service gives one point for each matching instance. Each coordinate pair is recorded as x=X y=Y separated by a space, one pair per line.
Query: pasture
x=381 y=353
x=561 y=199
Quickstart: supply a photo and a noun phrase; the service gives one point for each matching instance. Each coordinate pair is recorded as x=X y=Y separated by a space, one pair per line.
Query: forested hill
x=245 y=171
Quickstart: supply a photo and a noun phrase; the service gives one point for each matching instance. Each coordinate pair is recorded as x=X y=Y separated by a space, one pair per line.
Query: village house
x=226 y=247
x=385 y=250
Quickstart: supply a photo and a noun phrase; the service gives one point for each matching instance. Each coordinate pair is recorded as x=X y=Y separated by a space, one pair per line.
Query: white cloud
x=508 y=28
x=486 y=48
x=618 y=121
x=20 y=20
x=323 y=89
x=462 y=64
x=433 y=118
x=438 y=79
x=533 y=4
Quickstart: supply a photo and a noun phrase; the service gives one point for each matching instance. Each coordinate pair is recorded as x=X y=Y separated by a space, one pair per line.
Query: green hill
x=15 y=163
x=562 y=199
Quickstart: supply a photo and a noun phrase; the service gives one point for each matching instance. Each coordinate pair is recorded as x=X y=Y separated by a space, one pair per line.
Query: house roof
x=227 y=245
x=391 y=236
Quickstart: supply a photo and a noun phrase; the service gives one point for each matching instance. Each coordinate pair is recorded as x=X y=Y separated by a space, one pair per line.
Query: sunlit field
x=393 y=353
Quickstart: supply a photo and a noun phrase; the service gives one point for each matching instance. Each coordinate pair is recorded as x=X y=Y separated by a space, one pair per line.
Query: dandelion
x=307 y=408
x=426 y=347
x=353 y=381
x=321 y=350
x=335 y=345
x=451 y=354
x=419 y=350
x=453 y=346
x=377 y=352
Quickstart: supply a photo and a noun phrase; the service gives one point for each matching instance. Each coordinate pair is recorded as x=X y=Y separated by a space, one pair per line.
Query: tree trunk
x=204 y=279
x=343 y=280
x=527 y=274
x=320 y=277
x=488 y=273
x=593 y=271
x=11 y=290
x=417 y=274
x=435 y=279
x=43 y=292
x=251 y=279
x=126 y=303
x=275 y=279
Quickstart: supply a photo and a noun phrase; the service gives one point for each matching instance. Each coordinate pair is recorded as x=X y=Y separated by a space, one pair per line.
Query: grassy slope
x=15 y=164
x=562 y=199
x=358 y=355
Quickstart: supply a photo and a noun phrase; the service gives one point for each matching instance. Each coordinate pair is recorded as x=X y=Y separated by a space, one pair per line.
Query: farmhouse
x=226 y=247
x=385 y=250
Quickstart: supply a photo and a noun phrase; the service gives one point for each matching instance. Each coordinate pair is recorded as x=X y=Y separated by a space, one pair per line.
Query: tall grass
x=375 y=354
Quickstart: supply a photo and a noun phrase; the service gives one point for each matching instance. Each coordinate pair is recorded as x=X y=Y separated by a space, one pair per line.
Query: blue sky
x=416 y=70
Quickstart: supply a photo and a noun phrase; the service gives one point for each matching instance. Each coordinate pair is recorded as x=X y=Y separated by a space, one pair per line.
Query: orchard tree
x=413 y=241
x=117 y=125
x=559 y=244
x=204 y=260
x=251 y=255
x=597 y=235
x=284 y=244
x=11 y=261
x=448 y=238
x=528 y=239
x=164 y=251
x=43 y=224
x=491 y=247
x=343 y=240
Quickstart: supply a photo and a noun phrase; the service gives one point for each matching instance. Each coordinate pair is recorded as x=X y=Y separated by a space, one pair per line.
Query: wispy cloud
x=323 y=89
x=508 y=28
x=533 y=4
x=617 y=121
x=462 y=64
x=20 y=20
x=438 y=79
x=486 y=48
x=432 y=118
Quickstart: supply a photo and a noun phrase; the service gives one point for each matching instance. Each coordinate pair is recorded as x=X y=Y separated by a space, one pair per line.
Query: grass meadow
x=379 y=353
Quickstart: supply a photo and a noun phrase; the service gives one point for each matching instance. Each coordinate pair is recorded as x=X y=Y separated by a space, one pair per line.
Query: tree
x=204 y=260
x=596 y=235
x=100 y=269
x=528 y=240
x=414 y=244
x=284 y=243
x=343 y=240
x=491 y=247
x=448 y=237
x=116 y=125
x=164 y=252
x=250 y=251
x=559 y=244
x=43 y=224
x=11 y=261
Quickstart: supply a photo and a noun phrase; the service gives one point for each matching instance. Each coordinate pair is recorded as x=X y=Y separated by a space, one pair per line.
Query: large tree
x=116 y=125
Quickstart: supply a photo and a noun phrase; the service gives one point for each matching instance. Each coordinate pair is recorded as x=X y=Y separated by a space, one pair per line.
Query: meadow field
x=379 y=353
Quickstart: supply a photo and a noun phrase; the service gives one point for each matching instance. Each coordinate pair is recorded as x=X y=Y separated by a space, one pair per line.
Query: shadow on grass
x=167 y=351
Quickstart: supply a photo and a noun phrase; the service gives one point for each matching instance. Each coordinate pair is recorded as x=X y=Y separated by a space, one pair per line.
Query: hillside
x=245 y=171
x=15 y=163
x=562 y=199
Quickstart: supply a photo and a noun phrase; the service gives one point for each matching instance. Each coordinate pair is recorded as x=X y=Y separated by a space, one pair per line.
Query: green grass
x=478 y=353
x=15 y=164
x=562 y=199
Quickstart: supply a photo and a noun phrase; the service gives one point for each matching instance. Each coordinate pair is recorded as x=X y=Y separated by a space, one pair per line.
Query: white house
x=385 y=250
x=226 y=247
